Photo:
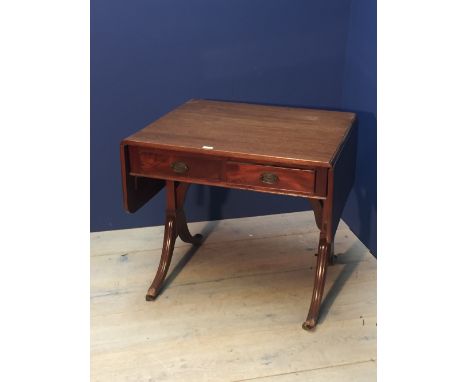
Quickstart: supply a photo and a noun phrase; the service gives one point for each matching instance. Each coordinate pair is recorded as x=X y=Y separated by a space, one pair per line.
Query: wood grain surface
x=249 y=131
x=286 y=179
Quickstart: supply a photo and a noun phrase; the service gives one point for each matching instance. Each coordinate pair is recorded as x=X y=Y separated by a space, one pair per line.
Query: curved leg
x=176 y=225
x=317 y=206
x=320 y=275
x=184 y=232
x=182 y=228
x=170 y=235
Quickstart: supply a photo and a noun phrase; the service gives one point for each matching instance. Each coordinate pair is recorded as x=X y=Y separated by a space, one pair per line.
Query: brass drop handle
x=269 y=178
x=179 y=167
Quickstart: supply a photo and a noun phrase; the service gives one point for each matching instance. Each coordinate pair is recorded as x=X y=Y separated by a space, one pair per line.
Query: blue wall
x=149 y=56
x=360 y=96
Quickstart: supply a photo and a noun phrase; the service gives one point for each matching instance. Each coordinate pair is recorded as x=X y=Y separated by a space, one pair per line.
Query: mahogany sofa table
x=282 y=150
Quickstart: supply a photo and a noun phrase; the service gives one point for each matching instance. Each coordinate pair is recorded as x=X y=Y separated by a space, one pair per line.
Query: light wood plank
x=356 y=372
x=185 y=351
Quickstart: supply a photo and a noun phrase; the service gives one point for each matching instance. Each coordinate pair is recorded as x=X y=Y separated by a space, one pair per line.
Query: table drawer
x=271 y=177
x=147 y=162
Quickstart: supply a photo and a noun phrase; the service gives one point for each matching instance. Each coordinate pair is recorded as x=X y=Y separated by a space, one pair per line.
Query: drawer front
x=162 y=164
x=269 y=177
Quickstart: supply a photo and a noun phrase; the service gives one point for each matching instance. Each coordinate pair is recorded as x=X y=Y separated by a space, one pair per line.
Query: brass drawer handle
x=269 y=178
x=179 y=167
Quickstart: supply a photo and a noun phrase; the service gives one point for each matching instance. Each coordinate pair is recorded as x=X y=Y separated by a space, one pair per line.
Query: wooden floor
x=232 y=309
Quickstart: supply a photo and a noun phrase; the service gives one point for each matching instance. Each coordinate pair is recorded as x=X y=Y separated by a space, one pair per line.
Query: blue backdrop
x=149 y=56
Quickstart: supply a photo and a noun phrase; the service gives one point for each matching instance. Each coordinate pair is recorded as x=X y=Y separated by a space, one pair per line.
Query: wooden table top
x=272 y=133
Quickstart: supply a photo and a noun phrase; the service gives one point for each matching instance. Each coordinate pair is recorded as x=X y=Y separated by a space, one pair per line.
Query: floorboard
x=232 y=309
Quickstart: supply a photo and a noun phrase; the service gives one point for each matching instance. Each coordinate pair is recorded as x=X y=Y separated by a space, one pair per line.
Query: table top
x=273 y=133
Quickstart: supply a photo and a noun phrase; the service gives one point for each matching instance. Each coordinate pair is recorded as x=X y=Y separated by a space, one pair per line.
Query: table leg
x=325 y=257
x=317 y=206
x=182 y=228
x=319 y=284
x=176 y=225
